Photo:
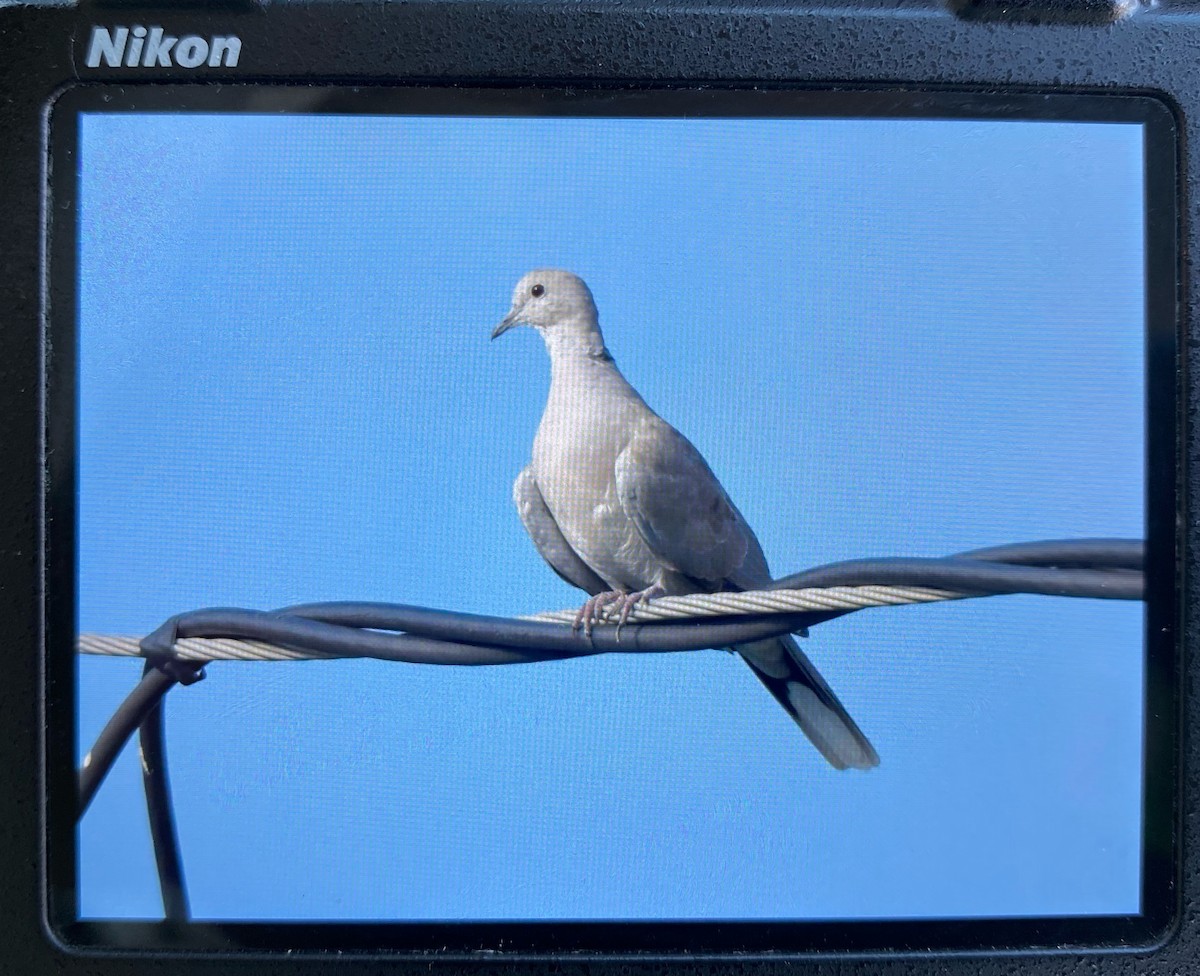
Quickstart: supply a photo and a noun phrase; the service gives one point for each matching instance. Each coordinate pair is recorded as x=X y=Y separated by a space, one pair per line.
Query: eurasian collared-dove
x=621 y=504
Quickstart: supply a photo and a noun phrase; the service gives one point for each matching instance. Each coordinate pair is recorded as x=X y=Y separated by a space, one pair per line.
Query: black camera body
x=922 y=58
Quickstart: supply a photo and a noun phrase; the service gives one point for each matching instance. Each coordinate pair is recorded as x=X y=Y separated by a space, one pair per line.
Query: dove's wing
x=548 y=537
x=678 y=506
x=687 y=520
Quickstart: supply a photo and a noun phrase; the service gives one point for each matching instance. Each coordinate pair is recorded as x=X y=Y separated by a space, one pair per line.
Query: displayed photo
x=591 y=362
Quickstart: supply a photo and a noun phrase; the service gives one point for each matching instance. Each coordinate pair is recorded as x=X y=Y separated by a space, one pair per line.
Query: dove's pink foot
x=593 y=612
x=599 y=608
x=631 y=600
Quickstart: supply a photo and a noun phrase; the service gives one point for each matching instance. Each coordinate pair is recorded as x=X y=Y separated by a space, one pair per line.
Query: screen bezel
x=711 y=938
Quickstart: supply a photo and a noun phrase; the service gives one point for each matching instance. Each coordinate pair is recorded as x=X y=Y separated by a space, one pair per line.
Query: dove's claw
x=592 y=612
x=599 y=608
x=631 y=600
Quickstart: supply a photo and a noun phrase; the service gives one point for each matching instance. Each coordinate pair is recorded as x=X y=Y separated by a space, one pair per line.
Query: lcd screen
x=888 y=330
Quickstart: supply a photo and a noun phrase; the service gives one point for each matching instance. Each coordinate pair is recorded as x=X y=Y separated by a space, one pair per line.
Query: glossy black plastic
x=919 y=60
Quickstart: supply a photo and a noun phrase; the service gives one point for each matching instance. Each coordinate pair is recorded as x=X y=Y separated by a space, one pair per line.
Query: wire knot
x=158 y=648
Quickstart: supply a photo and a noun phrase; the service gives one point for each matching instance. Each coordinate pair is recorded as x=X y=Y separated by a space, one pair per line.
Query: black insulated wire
x=1110 y=569
x=157 y=789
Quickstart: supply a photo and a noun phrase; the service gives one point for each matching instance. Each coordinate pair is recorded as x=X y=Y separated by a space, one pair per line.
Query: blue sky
x=888 y=337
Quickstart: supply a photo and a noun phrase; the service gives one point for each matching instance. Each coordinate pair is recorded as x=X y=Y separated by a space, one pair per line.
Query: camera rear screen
x=881 y=333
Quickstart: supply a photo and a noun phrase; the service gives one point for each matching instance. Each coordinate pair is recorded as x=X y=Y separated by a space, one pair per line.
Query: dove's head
x=551 y=301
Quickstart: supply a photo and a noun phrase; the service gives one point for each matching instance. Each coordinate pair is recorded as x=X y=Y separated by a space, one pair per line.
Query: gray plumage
x=621 y=505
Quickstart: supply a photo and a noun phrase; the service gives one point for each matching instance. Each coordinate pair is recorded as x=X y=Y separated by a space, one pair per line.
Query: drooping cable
x=159 y=809
x=177 y=650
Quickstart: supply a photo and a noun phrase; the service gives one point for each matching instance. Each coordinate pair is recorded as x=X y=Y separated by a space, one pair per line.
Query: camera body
x=908 y=51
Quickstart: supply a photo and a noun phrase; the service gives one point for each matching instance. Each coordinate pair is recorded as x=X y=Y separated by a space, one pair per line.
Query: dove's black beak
x=509 y=321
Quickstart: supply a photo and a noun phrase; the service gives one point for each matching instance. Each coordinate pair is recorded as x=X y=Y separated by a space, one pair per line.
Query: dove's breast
x=574 y=461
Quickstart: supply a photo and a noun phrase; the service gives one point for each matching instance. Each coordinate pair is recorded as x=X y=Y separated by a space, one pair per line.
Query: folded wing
x=683 y=514
x=679 y=508
x=548 y=537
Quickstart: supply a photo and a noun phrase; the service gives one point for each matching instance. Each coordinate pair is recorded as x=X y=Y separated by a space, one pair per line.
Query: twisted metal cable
x=1098 y=568
x=199 y=649
x=748 y=603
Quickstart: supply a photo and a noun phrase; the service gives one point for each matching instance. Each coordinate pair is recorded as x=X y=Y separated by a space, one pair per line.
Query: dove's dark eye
x=537 y=291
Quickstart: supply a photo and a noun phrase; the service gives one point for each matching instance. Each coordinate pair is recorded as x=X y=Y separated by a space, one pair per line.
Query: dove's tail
x=798 y=686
